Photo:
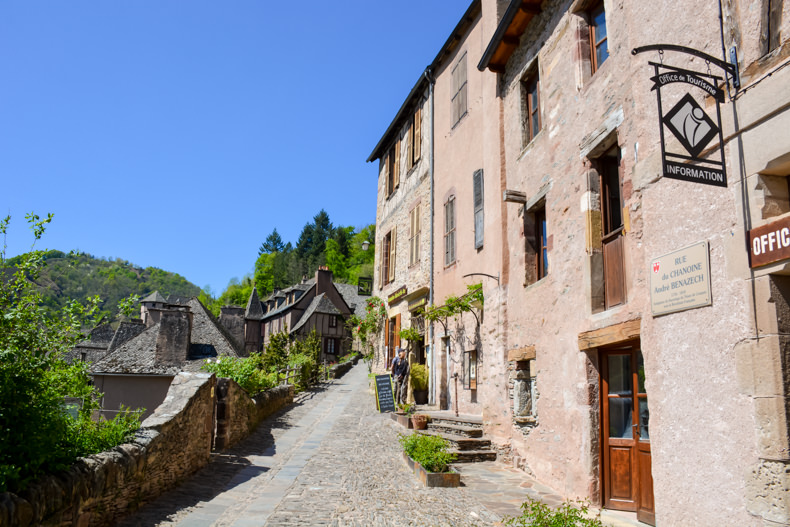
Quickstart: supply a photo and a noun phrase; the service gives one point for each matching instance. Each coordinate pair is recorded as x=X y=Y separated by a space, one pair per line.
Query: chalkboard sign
x=384 y=398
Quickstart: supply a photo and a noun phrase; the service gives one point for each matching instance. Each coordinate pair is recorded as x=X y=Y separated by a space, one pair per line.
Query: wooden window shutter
x=382 y=264
x=387 y=335
x=387 y=188
x=396 y=177
x=409 y=142
x=417 y=133
x=396 y=336
x=477 y=183
x=392 y=254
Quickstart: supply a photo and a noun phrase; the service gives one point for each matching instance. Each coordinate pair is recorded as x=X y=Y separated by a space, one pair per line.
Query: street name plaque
x=384 y=398
x=680 y=280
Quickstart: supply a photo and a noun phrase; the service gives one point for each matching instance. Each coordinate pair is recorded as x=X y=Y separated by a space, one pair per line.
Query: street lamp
x=365 y=245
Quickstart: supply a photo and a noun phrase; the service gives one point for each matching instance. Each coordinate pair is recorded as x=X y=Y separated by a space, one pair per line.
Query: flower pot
x=402 y=419
x=433 y=479
x=419 y=422
x=421 y=396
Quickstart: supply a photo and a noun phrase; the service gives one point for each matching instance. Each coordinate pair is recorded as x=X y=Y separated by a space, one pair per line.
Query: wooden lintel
x=610 y=335
x=519 y=354
x=514 y=196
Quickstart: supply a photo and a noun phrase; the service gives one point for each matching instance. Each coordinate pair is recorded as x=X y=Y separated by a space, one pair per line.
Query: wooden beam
x=511 y=40
x=519 y=354
x=514 y=196
x=530 y=8
x=610 y=335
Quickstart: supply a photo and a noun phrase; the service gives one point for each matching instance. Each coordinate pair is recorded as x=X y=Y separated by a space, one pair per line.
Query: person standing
x=400 y=375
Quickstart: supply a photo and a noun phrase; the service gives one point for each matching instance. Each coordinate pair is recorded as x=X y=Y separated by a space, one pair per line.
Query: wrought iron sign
x=686 y=119
x=365 y=285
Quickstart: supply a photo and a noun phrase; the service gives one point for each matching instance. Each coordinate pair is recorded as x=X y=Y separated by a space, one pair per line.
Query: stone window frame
x=533 y=210
x=592 y=12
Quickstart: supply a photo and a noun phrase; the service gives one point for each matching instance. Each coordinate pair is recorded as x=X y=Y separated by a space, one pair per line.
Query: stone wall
x=238 y=414
x=172 y=444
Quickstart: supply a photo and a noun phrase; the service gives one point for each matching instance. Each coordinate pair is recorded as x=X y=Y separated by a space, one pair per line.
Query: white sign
x=680 y=280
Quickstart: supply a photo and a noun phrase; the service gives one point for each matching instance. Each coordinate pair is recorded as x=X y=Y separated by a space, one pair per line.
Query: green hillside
x=77 y=276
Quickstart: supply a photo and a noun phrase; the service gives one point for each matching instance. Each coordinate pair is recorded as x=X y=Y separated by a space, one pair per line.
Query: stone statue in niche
x=522 y=394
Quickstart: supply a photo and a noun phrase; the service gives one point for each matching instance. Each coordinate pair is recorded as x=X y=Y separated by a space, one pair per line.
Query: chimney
x=175 y=337
x=323 y=280
x=232 y=319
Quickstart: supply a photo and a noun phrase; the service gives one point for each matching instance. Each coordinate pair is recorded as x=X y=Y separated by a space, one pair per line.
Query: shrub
x=429 y=451
x=538 y=514
x=248 y=372
x=419 y=377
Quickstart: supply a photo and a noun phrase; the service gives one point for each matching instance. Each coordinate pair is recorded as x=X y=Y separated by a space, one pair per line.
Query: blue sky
x=178 y=134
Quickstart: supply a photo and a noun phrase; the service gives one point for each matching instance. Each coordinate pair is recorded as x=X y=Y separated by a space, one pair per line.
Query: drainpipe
x=432 y=387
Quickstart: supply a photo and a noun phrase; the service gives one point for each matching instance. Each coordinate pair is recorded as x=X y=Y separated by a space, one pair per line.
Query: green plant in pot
x=419 y=383
x=432 y=452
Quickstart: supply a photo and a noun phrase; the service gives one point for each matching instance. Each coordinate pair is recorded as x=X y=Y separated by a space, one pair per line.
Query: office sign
x=769 y=243
x=680 y=280
x=690 y=119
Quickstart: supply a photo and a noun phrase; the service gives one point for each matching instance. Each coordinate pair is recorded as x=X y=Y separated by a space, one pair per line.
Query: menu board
x=384 y=399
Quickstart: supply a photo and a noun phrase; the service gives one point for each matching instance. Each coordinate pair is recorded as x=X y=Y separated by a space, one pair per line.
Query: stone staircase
x=465 y=434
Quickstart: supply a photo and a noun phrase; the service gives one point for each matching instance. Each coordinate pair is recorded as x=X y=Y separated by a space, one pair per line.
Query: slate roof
x=138 y=355
x=156 y=296
x=254 y=309
x=320 y=304
x=355 y=301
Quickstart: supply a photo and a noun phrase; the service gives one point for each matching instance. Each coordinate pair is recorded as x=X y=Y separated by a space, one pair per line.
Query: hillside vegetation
x=77 y=276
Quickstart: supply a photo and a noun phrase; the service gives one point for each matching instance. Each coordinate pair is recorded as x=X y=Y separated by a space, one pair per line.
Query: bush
x=248 y=372
x=419 y=377
x=429 y=451
x=538 y=514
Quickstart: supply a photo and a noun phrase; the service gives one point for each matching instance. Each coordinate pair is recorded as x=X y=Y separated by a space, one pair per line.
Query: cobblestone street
x=331 y=459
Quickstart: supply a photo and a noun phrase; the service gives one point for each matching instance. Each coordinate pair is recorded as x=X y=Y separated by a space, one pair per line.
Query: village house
x=318 y=304
x=634 y=212
x=173 y=337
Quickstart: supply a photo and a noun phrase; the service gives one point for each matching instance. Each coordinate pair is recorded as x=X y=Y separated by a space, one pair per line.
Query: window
x=477 y=191
x=393 y=168
x=537 y=243
x=599 y=45
x=612 y=228
x=530 y=89
x=542 y=256
x=388 y=258
x=414 y=235
x=459 y=90
x=332 y=321
x=415 y=137
x=449 y=231
x=331 y=347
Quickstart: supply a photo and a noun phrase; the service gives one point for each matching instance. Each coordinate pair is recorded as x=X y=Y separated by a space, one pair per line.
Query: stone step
x=461 y=442
x=459 y=430
x=474 y=456
x=467 y=421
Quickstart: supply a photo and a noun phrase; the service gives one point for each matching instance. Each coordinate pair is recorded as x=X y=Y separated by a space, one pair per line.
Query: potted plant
x=419 y=421
x=430 y=459
x=419 y=383
x=403 y=415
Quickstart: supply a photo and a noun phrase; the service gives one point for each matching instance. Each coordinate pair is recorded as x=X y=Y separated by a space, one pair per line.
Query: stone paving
x=331 y=459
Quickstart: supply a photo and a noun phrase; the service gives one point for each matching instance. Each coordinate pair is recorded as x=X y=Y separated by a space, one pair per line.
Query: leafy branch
x=457 y=305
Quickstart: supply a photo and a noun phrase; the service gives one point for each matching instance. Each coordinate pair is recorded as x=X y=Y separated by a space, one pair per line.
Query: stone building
x=634 y=347
x=175 y=337
x=318 y=304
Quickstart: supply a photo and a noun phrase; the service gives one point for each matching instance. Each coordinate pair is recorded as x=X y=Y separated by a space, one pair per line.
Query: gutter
x=427 y=74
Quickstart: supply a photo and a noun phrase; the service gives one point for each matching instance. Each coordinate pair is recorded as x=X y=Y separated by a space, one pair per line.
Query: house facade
x=632 y=344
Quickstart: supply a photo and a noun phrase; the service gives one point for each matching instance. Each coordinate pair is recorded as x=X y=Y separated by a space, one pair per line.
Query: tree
x=336 y=261
x=38 y=434
x=273 y=243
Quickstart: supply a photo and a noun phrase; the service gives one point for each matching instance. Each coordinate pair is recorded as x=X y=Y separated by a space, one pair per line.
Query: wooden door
x=626 y=459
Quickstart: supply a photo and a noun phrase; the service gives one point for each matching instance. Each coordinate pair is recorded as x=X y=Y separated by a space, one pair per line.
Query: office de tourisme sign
x=769 y=243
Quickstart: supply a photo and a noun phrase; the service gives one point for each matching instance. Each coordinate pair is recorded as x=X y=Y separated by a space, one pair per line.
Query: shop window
x=459 y=90
x=479 y=219
x=530 y=107
x=599 y=43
